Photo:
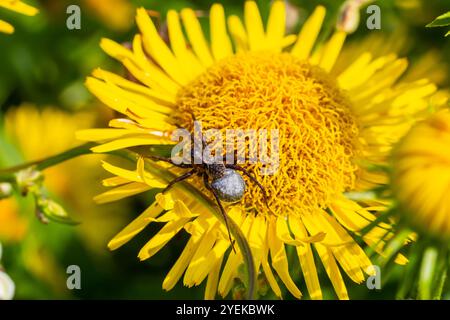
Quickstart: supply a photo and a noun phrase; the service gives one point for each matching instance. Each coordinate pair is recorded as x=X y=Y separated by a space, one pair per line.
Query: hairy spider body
x=230 y=186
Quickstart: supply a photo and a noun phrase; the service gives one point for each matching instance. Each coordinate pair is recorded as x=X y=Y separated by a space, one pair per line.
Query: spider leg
x=168 y=160
x=252 y=177
x=179 y=179
x=222 y=210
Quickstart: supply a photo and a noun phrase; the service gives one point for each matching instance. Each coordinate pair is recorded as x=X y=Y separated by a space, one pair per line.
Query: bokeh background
x=43 y=101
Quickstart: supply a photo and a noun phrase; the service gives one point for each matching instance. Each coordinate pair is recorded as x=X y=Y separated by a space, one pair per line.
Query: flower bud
x=348 y=18
x=6 y=190
x=28 y=180
x=47 y=209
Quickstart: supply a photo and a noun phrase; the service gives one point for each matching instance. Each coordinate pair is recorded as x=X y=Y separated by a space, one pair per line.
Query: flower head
x=421 y=175
x=43 y=132
x=332 y=129
x=17 y=6
x=115 y=14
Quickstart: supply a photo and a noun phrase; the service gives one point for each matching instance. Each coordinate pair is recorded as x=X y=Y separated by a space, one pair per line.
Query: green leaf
x=427 y=272
x=441 y=21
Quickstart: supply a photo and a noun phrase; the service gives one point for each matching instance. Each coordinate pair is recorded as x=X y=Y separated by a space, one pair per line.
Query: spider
x=226 y=184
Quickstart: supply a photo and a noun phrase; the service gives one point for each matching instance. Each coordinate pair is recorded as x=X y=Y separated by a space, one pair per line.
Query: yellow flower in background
x=333 y=129
x=42 y=133
x=431 y=64
x=16 y=6
x=13 y=227
x=421 y=175
x=116 y=14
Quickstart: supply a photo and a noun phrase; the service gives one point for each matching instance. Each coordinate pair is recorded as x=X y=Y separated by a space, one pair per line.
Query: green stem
x=427 y=271
x=50 y=161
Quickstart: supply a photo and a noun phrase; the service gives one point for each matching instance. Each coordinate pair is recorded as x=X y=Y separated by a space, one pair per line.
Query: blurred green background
x=43 y=66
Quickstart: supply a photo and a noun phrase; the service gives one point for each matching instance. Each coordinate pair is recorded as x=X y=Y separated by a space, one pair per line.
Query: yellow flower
x=421 y=175
x=114 y=13
x=13 y=227
x=333 y=129
x=43 y=133
x=17 y=6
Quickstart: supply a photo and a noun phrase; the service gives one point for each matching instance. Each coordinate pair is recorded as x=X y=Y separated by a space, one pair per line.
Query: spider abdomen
x=230 y=187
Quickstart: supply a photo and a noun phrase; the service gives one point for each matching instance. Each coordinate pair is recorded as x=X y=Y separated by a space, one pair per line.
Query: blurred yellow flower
x=43 y=133
x=333 y=129
x=116 y=14
x=421 y=175
x=13 y=227
x=17 y=6
x=40 y=133
x=431 y=65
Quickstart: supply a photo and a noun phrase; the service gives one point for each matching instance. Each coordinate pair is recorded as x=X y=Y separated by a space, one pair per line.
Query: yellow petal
x=238 y=33
x=257 y=239
x=383 y=78
x=366 y=72
x=122 y=192
x=351 y=76
x=146 y=177
x=158 y=241
x=351 y=257
x=182 y=210
x=141 y=140
x=332 y=50
x=279 y=260
x=276 y=26
x=233 y=262
x=20 y=7
x=115 y=50
x=165 y=200
x=220 y=42
x=179 y=211
x=196 y=37
x=200 y=266
x=114 y=181
x=213 y=279
x=306 y=259
x=266 y=267
x=122 y=100
x=180 y=47
x=208 y=259
x=136 y=226
x=157 y=97
x=308 y=35
x=148 y=72
x=6 y=27
x=178 y=268
x=283 y=232
x=254 y=26
x=332 y=270
x=156 y=47
x=288 y=40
